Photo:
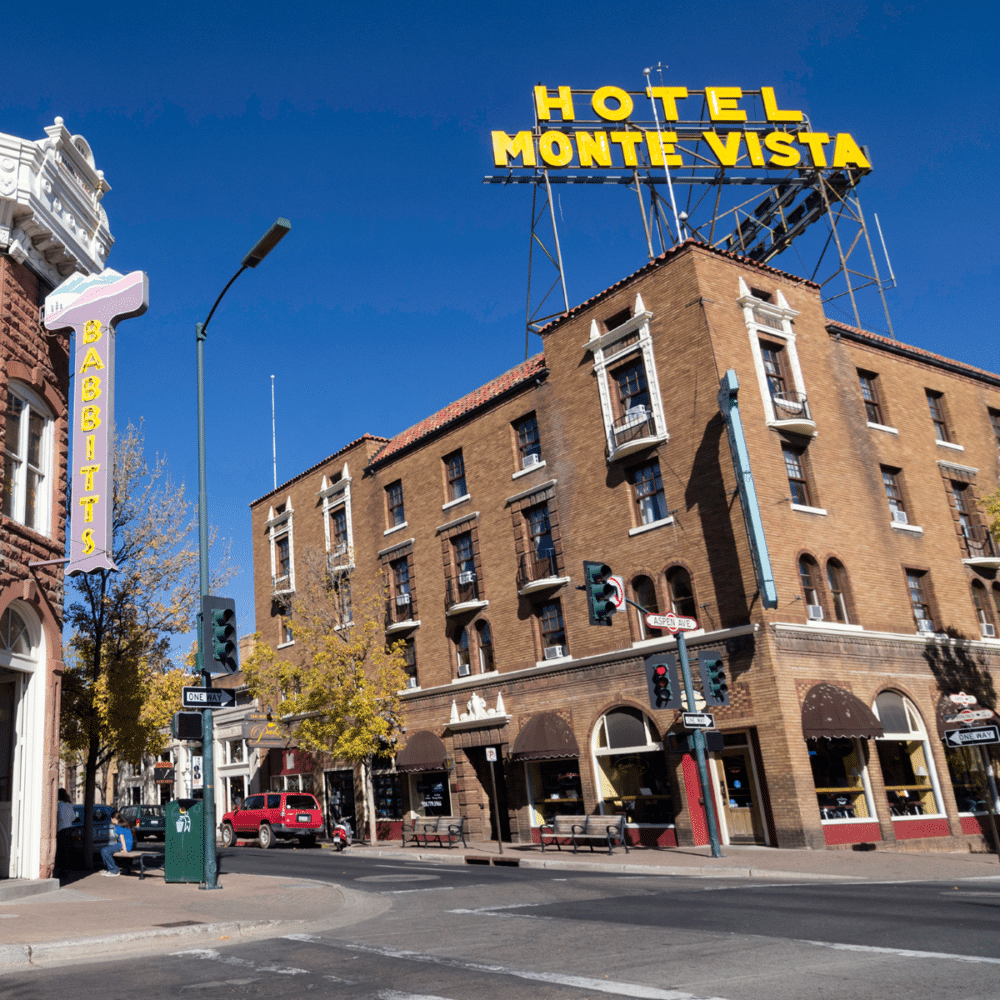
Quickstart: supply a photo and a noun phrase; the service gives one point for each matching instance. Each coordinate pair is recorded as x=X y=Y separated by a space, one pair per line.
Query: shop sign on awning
x=830 y=712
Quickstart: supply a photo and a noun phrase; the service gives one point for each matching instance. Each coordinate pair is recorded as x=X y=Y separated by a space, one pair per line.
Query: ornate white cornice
x=51 y=218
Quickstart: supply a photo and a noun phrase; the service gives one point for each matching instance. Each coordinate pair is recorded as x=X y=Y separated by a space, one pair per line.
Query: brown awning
x=546 y=736
x=423 y=752
x=831 y=712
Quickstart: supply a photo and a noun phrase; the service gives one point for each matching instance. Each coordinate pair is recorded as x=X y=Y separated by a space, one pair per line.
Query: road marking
x=398 y=878
x=555 y=978
x=210 y=954
x=901 y=952
x=431 y=888
x=489 y=910
x=223 y=982
x=395 y=995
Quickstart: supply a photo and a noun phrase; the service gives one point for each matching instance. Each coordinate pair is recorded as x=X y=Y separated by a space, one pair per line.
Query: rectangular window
x=464 y=587
x=995 y=424
x=935 y=400
x=916 y=582
x=649 y=496
x=795 y=469
x=394 y=503
x=894 y=493
x=870 y=394
x=338 y=521
x=633 y=390
x=553 y=631
x=236 y=751
x=282 y=562
x=455 y=472
x=542 y=552
x=410 y=663
x=529 y=444
x=959 y=492
x=401 y=600
x=773 y=356
x=285 y=630
x=26 y=460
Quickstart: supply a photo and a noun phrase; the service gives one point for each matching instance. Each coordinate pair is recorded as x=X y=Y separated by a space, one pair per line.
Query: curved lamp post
x=261 y=249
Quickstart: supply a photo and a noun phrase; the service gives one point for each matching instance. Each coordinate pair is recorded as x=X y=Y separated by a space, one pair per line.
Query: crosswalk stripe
x=901 y=952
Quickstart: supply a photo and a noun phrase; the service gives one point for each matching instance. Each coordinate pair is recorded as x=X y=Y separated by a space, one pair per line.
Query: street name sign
x=197 y=697
x=962 y=698
x=672 y=622
x=698 y=720
x=970 y=715
x=972 y=737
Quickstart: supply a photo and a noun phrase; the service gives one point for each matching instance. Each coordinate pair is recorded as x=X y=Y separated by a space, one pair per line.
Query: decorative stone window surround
x=278 y=525
x=334 y=496
x=779 y=328
x=607 y=355
x=519 y=504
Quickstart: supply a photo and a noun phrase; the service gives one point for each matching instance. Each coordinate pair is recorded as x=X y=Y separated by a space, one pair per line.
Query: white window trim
x=663 y=521
x=912 y=528
x=782 y=331
x=279 y=525
x=604 y=358
x=949 y=444
x=820 y=511
x=397 y=527
x=457 y=500
x=334 y=496
x=883 y=427
x=530 y=468
x=33 y=402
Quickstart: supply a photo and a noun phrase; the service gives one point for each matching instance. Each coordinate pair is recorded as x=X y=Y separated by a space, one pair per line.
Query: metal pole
x=207 y=732
x=698 y=738
x=496 y=802
x=991 y=794
x=274 y=446
x=555 y=236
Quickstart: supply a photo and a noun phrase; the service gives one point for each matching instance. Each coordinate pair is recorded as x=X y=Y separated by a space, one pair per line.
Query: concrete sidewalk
x=94 y=918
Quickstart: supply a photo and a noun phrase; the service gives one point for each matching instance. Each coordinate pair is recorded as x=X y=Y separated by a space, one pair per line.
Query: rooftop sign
x=671 y=127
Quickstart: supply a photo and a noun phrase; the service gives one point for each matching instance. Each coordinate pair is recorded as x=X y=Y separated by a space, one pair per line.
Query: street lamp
x=261 y=249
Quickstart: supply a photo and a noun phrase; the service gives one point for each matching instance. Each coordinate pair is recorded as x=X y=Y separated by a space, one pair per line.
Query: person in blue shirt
x=123 y=842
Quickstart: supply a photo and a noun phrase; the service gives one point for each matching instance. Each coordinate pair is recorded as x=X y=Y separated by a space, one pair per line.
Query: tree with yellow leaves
x=120 y=686
x=340 y=693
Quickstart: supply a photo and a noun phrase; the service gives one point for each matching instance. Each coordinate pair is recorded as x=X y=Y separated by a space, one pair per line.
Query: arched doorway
x=22 y=734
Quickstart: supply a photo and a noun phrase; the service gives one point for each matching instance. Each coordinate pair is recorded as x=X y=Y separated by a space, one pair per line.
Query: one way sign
x=192 y=697
x=971 y=737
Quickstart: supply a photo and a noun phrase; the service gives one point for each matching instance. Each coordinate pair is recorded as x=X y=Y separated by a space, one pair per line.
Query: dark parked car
x=274 y=816
x=146 y=821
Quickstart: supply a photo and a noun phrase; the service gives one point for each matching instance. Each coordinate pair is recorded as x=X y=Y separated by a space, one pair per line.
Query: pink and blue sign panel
x=92 y=305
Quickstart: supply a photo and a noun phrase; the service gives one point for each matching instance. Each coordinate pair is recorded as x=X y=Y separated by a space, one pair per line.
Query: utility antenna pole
x=274 y=447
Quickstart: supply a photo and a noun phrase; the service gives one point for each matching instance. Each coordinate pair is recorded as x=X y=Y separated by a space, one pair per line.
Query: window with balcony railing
x=400 y=606
x=282 y=563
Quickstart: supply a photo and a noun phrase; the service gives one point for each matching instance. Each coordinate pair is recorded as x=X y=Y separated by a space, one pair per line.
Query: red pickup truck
x=273 y=816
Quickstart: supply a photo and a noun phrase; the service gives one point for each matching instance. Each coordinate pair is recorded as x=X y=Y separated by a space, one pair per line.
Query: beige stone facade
x=869 y=459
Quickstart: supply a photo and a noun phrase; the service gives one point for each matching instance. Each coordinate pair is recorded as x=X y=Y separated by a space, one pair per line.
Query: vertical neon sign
x=91 y=305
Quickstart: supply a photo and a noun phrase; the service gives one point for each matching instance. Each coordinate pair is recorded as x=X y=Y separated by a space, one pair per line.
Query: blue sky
x=402 y=284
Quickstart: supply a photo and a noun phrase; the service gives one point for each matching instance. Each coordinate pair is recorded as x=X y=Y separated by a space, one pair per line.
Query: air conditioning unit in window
x=342 y=549
x=402 y=599
x=466 y=577
x=464 y=670
x=553 y=652
x=925 y=625
x=814 y=612
x=899 y=516
x=530 y=460
x=411 y=681
x=989 y=632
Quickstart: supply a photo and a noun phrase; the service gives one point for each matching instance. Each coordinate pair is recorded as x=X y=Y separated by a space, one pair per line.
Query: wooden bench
x=584 y=829
x=147 y=859
x=438 y=828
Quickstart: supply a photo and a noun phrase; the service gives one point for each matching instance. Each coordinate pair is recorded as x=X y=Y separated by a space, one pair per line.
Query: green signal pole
x=698 y=738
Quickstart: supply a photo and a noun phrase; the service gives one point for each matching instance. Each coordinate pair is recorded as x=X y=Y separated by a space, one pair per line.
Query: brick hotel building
x=870 y=460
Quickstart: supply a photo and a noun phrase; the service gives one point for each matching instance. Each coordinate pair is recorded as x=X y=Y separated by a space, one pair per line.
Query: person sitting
x=123 y=842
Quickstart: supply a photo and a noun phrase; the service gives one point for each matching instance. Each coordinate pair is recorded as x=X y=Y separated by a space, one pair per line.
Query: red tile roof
x=918 y=353
x=313 y=468
x=659 y=261
x=524 y=372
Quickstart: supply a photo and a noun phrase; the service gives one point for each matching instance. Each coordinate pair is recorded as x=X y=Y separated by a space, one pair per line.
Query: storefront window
x=388 y=795
x=555 y=788
x=965 y=765
x=904 y=756
x=838 y=766
x=632 y=768
x=429 y=793
x=237 y=792
x=291 y=783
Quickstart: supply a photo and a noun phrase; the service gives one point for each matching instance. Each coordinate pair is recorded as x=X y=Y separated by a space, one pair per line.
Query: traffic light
x=219 y=642
x=186 y=726
x=713 y=677
x=661 y=677
x=600 y=592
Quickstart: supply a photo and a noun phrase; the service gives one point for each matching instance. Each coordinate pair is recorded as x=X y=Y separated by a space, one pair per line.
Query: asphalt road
x=461 y=932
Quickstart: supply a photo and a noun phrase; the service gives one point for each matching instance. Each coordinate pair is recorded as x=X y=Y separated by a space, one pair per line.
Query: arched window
x=981 y=604
x=836 y=577
x=681 y=593
x=645 y=594
x=27 y=459
x=14 y=634
x=905 y=758
x=631 y=768
x=485 y=635
x=809 y=577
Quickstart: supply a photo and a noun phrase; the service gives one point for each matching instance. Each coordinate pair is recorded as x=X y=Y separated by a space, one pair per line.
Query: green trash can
x=184 y=845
